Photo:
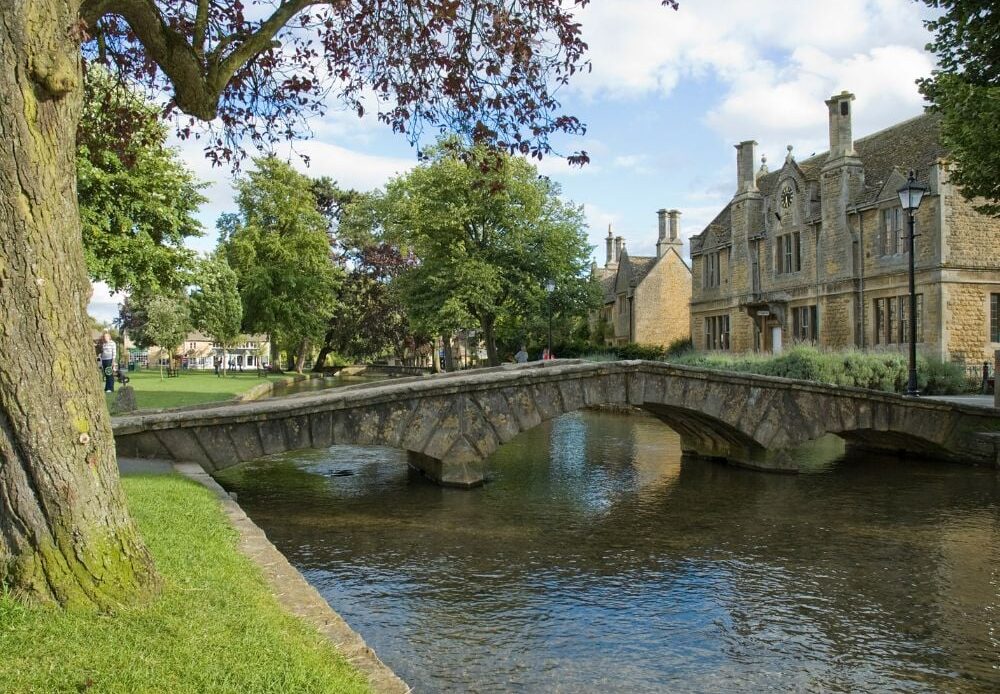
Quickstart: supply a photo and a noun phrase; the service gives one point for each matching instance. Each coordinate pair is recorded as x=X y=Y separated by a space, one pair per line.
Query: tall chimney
x=609 y=243
x=675 y=225
x=746 y=155
x=619 y=245
x=661 y=218
x=841 y=139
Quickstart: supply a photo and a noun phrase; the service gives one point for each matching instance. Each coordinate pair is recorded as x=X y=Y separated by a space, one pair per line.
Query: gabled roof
x=912 y=144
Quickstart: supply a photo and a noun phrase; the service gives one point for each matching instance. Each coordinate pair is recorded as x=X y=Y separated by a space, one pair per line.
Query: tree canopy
x=965 y=90
x=137 y=198
x=216 y=307
x=489 y=233
x=279 y=248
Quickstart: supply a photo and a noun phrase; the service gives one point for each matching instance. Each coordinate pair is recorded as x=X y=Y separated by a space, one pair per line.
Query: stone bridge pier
x=450 y=423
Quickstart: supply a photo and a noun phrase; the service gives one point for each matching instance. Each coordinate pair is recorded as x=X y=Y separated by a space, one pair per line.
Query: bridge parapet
x=451 y=422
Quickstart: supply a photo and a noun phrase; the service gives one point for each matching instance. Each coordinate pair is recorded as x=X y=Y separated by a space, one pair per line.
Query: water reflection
x=600 y=559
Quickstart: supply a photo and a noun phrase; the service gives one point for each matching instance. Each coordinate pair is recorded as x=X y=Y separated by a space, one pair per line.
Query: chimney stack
x=841 y=139
x=675 y=225
x=746 y=155
x=661 y=217
x=609 y=243
x=619 y=247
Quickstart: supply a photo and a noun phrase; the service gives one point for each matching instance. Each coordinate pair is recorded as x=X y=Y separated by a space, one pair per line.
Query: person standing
x=522 y=356
x=109 y=352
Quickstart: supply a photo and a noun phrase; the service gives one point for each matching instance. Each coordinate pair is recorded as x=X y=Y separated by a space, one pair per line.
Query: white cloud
x=104 y=303
x=777 y=61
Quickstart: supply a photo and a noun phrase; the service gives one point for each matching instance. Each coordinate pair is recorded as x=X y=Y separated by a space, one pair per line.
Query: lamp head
x=911 y=194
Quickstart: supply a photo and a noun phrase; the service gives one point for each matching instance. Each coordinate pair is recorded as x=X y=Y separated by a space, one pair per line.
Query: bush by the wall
x=885 y=371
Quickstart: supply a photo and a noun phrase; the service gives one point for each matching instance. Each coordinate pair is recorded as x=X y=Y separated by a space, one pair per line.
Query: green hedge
x=886 y=371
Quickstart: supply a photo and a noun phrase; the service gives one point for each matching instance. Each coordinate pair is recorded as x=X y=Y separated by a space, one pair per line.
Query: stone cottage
x=816 y=251
x=645 y=297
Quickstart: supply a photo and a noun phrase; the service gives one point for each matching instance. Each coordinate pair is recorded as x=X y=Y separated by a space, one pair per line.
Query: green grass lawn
x=189 y=388
x=214 y=627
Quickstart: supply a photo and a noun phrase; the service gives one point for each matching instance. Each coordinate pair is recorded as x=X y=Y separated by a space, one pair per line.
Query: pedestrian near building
x=108 y=353
x=522 y=356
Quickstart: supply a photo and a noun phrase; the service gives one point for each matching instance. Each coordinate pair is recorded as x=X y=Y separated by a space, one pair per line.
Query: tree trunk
x=449 y=355
x=275 y=355
x=320 y=362
x=488 y=325
x=435 y=357
x=65 y=533
x=300 y=358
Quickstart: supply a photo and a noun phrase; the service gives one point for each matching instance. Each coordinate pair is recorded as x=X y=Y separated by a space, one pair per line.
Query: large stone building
x=816 y=251
x=645 y=297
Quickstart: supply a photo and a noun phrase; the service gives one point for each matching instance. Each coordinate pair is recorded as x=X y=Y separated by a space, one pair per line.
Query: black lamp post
x=910 y=196
x=550 y=287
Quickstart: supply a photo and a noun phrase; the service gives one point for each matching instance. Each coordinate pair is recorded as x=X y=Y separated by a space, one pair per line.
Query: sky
x=669 y=95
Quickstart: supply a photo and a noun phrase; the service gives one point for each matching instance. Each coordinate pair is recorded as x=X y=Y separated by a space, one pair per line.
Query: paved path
x=974 y=400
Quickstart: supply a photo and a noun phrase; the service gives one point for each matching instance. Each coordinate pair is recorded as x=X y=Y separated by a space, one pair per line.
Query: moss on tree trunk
x=65 y=534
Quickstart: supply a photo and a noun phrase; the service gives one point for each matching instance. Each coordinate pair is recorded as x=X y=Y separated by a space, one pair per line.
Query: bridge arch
x=450 y=423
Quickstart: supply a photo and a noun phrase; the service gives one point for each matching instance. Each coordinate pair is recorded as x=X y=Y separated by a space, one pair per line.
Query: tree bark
x=300 y=358
x=488 y=324
x=65 y=533
x=435 y=357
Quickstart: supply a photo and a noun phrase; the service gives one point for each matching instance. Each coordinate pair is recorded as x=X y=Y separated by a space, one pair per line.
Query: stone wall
x=662 y=302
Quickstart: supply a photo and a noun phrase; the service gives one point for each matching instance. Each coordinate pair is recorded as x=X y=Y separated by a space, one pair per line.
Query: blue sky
x=669 y=95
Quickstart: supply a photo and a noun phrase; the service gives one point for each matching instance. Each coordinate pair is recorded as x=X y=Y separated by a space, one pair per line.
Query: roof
x=912 y=144
x=640 y=265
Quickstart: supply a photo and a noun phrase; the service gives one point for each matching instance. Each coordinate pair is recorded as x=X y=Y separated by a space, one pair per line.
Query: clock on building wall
x=786 y=197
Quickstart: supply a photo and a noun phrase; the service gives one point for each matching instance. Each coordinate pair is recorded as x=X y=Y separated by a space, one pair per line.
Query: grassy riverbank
x=189 y=388
x=215 y=627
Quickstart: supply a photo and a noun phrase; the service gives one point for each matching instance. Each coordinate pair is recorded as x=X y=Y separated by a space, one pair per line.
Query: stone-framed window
x=805 y=326
x=717 y=332
x=712 y=275
x=788 y=253
x=994 y=317
x=891 y=239
x=892 y=320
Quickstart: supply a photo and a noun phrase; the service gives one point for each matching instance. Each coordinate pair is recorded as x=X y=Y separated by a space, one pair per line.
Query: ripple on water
x=599 y=559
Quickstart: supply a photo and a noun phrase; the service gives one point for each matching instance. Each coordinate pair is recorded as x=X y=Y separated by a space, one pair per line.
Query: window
x=892 y=242
x=717 y=332
x=804 y=324
x=788 y=253
x=892 y=320
x=712 y=271
x=994 y=317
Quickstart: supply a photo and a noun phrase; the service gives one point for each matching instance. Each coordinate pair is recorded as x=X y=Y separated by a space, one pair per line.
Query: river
x=599 y=559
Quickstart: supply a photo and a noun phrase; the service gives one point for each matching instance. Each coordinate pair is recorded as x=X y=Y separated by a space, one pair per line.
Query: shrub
x=885 y=371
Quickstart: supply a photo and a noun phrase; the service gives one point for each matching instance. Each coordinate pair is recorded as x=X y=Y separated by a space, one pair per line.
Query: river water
x=598 y=559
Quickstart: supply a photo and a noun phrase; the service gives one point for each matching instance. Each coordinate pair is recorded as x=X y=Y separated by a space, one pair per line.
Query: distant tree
x=488 y=233
x=168 y=321
x=279 y=248
x=216 y=307
x=965 y=90
x=137 y=198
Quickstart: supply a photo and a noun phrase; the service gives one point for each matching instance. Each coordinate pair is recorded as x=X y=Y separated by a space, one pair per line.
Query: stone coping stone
x=293 y=592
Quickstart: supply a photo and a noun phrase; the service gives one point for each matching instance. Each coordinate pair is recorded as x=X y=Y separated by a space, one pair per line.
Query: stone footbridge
x=450 y=423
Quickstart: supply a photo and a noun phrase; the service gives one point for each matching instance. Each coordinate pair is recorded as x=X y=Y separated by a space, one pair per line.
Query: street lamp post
x=910 y=196
x=550 y=287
